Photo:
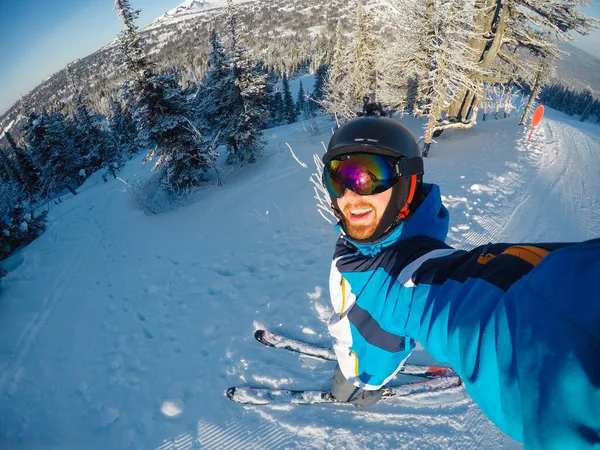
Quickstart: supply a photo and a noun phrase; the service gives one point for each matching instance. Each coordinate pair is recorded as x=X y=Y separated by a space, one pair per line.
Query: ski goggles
x=367 y=173
x=364 y=174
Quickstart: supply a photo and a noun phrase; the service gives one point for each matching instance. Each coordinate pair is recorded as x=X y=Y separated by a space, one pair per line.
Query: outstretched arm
x=524 y=336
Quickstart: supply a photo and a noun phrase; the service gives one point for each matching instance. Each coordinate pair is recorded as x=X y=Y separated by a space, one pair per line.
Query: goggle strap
x=410 y=166
x=405 y=211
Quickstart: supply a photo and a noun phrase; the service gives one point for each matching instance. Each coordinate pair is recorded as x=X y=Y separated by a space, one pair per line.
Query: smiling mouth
x=360 y=214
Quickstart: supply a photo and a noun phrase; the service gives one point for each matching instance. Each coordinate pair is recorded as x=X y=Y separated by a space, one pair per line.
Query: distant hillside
x=579 y=69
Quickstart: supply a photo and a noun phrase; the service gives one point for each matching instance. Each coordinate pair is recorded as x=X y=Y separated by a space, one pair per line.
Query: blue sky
x=40 y=37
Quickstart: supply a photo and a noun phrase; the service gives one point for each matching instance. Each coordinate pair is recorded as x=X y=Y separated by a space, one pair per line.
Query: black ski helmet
x=387 y=137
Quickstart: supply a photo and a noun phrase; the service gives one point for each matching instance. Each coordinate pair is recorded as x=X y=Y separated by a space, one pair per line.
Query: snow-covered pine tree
x=301 y=107
x=247 y=119
x=135 y=89
x=277 y=109
x=53 y=152
x=8 y=170
x=315 y=98
x=19 y=222
x=95 y=144
x=122 y=126
x=129 y=41
x=587 y=103
x=23 y=163
x=289 y=109
x=217 y=93
x=182 y=158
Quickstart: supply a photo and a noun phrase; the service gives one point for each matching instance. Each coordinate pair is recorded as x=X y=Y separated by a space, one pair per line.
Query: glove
x=344 y=391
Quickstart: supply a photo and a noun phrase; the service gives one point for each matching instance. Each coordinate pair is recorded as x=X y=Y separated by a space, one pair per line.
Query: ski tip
x=230 y=393
x=259 y=335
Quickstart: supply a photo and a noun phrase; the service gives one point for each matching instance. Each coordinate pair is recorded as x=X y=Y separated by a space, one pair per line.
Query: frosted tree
x=8 y=170
x=353 y=71
x=248 y=117
x=541 y=77
x=95 y=144
x=363 y=70
x=182 y=161
x=217 y=92
x=234 y=98
x=21 y=221
x=499 y=98
x=122 y=126
x=53 y=152
x=129 y=41
x=503 y=27
x=23 y=165
x=135 y=90
x=430 y=59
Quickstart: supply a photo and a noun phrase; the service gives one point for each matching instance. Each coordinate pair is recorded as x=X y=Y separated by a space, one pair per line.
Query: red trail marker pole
x=538 y=114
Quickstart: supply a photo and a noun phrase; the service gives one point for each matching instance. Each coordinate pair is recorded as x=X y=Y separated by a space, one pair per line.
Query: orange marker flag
x=538 y=114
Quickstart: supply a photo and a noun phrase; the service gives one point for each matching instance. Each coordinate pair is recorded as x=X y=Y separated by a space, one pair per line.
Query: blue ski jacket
x=519 y=323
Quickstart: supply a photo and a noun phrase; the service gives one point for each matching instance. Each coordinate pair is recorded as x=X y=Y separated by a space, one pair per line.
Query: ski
x=271 y=339
x=267 y=396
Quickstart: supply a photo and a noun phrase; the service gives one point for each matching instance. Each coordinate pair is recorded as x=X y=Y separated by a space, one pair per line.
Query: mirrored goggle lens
x=362 y=174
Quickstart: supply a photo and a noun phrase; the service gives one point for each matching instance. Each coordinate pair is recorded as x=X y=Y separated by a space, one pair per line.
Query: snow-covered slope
x=122 y=330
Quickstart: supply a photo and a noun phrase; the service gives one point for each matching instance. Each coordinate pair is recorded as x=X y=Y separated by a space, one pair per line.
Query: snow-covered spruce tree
x=53 y=152
x=504 y=26
x=135 y=89
x=9 y=172
x=431 y=46
x=242 y=132
x=182 y=159
x=587 y=105
x=276 y=109
x=290 y=112
x=217 y=92
x=122 y=126
x=301 y=107
x=19 y=224
x=23 y=164
x=95 y=144
x=353 y=71
x=316 y=96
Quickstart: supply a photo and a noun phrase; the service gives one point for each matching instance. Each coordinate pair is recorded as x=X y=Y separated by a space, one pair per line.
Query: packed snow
x=120 y=329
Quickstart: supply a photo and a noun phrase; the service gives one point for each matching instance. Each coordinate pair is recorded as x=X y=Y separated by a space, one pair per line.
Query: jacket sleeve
x=524 y=336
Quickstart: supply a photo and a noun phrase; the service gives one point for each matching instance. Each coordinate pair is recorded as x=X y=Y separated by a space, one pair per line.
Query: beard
x=363 y=230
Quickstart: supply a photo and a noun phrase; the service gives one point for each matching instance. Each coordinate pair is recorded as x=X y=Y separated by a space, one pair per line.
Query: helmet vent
x=365 y=139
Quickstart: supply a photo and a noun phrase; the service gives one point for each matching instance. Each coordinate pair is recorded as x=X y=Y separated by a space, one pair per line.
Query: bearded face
x=362 y=214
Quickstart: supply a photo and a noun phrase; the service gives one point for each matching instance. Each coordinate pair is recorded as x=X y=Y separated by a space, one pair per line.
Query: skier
x=519 y=323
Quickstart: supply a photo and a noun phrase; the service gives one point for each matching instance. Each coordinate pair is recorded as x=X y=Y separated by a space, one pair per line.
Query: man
x=519 y=323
